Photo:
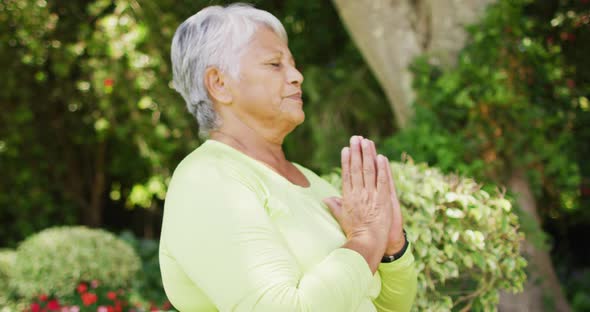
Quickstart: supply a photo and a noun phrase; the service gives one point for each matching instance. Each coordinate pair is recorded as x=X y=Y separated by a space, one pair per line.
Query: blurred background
x=91 y=130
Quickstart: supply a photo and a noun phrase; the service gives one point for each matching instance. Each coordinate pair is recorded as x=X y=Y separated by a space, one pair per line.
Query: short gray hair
x=214 y=36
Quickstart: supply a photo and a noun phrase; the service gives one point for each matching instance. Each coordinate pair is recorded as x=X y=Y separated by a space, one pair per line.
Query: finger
x=374 y=153
x=356 y=166
x=383 y=193
x=345 y=159
x=397 y=213
x=391 y=181
x=369 y=174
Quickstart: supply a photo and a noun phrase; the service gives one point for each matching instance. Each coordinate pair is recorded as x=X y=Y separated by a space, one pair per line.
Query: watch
x=397 y=255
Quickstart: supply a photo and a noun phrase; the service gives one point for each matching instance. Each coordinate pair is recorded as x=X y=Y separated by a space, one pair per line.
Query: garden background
x=91 y=131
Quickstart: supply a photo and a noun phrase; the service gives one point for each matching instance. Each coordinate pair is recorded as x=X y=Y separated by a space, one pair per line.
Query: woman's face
x=267 y=93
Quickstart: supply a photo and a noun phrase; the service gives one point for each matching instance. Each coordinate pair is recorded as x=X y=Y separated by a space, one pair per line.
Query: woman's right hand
x=364 y=212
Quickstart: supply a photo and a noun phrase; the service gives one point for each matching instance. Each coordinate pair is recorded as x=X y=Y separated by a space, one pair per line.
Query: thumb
x=335 y=205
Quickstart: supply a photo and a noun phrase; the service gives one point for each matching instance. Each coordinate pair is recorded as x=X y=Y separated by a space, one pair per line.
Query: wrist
x=396 y=252
x=369 y=241
x=367 y=248
x=370 y=238
x=395 y=248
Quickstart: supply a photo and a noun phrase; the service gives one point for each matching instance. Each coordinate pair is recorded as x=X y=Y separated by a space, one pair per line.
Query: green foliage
x=508 y=105
x=147 y=287
x=566 y=25
x=466 y=240
x=516 y=101
x=579 y=286
x=55 y=260
x=87 y=110
x=7 y=261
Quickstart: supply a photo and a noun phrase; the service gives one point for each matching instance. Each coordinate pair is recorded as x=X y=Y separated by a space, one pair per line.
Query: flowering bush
x=7 y=259
x=465 y=240
x=92 y=296
x=88 y=297
x=55 y=260
x=78 y=269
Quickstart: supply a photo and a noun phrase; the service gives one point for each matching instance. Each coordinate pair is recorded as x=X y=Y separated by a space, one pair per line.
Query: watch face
x=387 y=259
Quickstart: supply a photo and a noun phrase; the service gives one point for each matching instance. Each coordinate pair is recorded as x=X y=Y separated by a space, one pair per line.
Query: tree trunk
x=542 y=289
x=92 y=214
x=392 y=33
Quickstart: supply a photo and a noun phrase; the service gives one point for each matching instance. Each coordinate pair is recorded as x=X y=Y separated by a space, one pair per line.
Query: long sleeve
x=217 y=231
x=398 y=284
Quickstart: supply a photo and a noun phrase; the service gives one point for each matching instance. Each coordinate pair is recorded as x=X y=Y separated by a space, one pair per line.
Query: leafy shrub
x=54 y=261
x=7 y=260
x=509 y=104
x=147 y=288
x=579 y=287
x=465 y=240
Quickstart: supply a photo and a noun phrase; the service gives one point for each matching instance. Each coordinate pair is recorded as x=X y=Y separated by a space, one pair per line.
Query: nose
x=294 y=76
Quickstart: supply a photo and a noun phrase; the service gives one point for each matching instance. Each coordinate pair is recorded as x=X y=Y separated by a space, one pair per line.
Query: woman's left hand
x=395 y=239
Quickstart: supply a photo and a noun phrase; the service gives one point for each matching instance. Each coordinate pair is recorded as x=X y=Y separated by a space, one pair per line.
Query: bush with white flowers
x=466 y=241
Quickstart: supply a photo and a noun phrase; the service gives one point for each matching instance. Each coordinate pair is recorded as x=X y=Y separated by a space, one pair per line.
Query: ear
x=217 y=86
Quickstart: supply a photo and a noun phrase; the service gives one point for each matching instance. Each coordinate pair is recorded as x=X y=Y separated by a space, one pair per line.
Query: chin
x=299 y=117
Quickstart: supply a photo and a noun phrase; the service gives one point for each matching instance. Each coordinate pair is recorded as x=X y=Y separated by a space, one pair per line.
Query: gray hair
x=214 y=36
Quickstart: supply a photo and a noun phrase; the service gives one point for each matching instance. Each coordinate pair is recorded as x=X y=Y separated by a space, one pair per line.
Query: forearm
x=398 y=284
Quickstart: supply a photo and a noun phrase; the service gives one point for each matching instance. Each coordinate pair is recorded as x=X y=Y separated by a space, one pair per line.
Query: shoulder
x=207 y=170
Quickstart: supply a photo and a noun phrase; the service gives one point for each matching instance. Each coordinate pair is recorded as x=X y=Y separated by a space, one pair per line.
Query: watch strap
x=397 y=255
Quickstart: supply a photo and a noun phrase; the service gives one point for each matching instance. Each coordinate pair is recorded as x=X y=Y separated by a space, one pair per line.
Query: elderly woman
x=244 y=229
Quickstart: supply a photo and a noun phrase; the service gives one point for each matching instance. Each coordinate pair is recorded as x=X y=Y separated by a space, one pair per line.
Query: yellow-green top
x=237 y=236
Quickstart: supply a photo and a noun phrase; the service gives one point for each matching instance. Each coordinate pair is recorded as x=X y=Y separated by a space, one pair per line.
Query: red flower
x=108 y=82
x=112 y=295
x=563 y=35
x=43 y=297
x=53 y=305
x=82 y=288
x=89 y=298
x=35 y=307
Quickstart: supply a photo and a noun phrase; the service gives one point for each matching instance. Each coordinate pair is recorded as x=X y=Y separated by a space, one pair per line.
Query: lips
x=295 y=97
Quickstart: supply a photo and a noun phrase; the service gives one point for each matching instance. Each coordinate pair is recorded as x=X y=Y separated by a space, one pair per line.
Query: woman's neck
x=252 y=144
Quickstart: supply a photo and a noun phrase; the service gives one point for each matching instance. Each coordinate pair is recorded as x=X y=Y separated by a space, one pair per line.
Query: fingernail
x=364 y=143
